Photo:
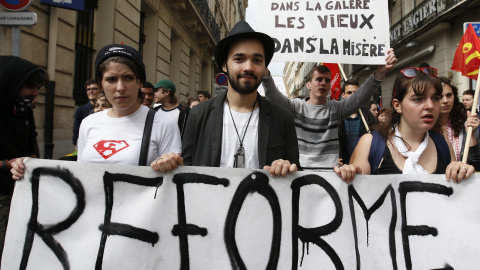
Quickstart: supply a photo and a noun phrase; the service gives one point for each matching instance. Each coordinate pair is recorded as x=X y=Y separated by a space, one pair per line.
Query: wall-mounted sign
x=18 y=18
x=221 y=79
x=475 y=25
x=15 y=5
x=68 y=4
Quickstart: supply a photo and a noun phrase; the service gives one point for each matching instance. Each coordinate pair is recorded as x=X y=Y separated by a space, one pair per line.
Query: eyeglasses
x=92 y=89
x=412 y=71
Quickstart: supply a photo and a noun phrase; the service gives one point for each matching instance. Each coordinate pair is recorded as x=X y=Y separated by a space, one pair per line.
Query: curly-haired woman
x=454 y=122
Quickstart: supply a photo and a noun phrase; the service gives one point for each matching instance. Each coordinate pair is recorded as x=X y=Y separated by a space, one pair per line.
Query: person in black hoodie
x=20 y=81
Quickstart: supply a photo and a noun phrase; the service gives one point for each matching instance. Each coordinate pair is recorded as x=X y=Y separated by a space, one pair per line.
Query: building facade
x=175 y=37
x=422 y=31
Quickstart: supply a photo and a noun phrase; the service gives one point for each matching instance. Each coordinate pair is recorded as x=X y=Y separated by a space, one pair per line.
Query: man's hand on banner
x=167 y=162
x=390 y=61
x=281 y=167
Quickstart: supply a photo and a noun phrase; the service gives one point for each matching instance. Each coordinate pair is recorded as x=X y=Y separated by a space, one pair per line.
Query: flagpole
x=470 y=129
x=359 y=110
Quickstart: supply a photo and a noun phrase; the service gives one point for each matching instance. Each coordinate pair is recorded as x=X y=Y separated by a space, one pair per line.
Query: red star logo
x=109 y=148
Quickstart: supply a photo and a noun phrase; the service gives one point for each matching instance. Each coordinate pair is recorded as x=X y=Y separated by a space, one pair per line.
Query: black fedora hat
x=243 y=30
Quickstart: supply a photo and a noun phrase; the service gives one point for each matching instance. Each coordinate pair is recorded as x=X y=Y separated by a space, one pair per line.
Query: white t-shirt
x=103 y=139
x=174 y=113
x=230 y=141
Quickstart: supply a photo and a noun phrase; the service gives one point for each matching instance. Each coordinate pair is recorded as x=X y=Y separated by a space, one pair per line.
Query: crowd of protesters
x=423 y=132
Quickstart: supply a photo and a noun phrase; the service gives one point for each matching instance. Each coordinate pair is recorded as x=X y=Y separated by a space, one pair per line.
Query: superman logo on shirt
x=109 y=148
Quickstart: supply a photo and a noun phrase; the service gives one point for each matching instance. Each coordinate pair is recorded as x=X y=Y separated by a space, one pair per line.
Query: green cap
x=167 y=84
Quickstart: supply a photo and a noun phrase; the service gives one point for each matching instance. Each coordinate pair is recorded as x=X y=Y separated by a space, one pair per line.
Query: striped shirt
x=317 y=125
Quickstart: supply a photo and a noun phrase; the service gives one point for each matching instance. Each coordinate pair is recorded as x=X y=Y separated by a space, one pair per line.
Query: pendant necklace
x=239 y=157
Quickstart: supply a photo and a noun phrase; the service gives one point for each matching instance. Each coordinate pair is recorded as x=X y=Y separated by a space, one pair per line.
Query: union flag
x=336 y=88
x=467 y=56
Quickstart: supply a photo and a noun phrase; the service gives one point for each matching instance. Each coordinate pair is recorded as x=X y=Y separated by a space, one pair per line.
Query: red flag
x=335 y=89
x=467 y=56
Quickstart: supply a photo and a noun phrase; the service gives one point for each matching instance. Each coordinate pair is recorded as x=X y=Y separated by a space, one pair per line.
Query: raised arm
x=272 y=93
x=366 y=90
x=390 y=61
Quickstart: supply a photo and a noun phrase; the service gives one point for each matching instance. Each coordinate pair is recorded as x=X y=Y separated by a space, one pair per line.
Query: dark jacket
x=17 y=136
x=80 y=114
x=369 y=118
x=202 y=141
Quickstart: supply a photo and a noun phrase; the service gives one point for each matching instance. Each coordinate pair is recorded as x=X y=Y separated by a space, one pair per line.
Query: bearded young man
x=240 y=129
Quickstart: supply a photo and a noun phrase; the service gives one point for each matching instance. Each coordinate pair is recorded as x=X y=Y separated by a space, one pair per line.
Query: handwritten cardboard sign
x=68 y=215
x=342 y=31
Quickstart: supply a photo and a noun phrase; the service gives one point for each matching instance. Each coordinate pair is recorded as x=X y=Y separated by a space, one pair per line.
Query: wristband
x=4 y=165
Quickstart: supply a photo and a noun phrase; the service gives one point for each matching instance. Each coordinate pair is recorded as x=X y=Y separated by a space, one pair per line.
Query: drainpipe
x=50 y=87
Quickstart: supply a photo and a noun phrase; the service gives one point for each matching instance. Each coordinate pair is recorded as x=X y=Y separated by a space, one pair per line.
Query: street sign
x=15 y=5
x=221 y=79
x=476 y=27
x=68 y=4
x=18 y=18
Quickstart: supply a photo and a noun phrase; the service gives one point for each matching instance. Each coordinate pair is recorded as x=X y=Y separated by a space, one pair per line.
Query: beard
x=246 y=87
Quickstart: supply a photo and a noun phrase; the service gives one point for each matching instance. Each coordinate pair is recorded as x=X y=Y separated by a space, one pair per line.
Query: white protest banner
x=68 y=215
x=343 y=31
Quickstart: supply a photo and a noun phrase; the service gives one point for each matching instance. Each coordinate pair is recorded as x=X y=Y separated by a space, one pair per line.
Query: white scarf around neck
x=411 y=163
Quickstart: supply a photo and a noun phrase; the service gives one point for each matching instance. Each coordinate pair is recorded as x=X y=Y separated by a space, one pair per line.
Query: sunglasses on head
x=412 y=71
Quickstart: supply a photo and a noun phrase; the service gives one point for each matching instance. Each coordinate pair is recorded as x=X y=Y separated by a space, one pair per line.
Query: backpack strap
x=182 y=118
x=147 y=131
x=441 y=146
x=377 y=148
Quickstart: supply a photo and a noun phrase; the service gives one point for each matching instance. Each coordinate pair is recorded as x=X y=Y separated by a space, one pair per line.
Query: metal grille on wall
x=202 y=6
x=142 y=39
x=84 y=51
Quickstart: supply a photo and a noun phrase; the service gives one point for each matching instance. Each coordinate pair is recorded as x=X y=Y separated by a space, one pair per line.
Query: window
x=83 y=51
x=408 y=5
x=142 y=33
